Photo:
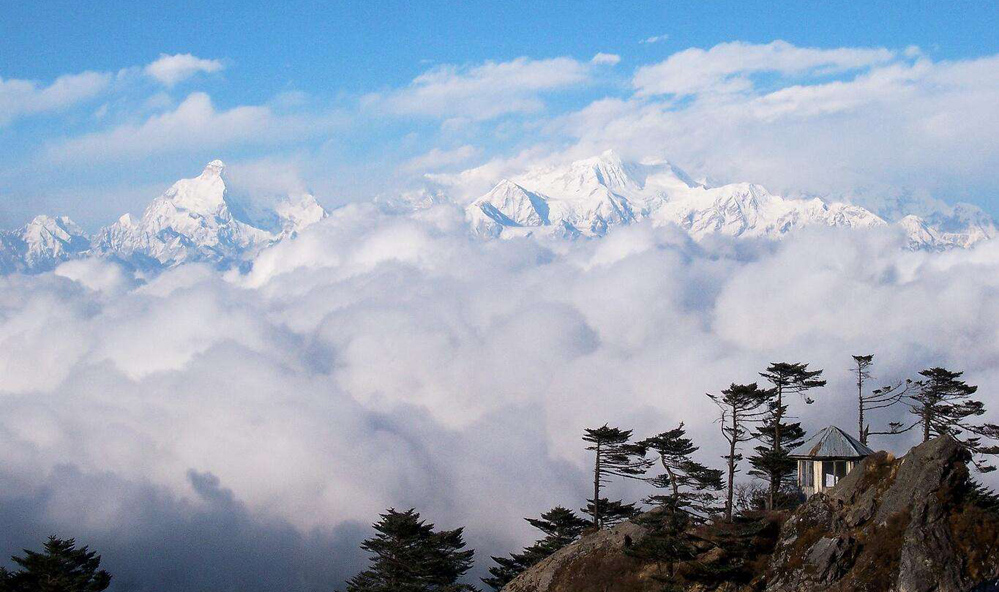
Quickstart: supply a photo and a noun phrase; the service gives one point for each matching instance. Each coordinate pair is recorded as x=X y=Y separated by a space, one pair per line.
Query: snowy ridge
x=41 y=244
x=194 y=220
x=198 y=220
x=589 y=197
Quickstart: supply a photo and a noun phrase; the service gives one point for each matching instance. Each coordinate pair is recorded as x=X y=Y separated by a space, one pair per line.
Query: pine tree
x=740 y=408
x=687 y=499
x=776 y=435
x=611 y=512
x=60 y=567
x=408 y=555
x=944 y=406
x=561 y=527
x=614 y=456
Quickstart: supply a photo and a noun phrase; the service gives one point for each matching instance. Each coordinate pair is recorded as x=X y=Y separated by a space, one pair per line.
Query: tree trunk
x=731 y=465
x=778 y=418
x=596 y=490
x=860 y=405
x=926 y=422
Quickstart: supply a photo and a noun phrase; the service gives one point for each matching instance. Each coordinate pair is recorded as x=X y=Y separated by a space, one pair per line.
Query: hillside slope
x=912 y=524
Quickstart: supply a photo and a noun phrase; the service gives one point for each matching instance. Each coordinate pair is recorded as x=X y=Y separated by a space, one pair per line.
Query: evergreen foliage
x=561 y=527
x=740 y=407
x=611 y=512
x=60 y=567
x=408 y=555
x=944 y=406
x=686 y=500
x=689 y=484
x=614 y=456
x=776 y=435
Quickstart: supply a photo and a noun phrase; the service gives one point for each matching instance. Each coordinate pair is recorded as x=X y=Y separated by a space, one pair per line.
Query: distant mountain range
x=199 y=220
x=590 y=197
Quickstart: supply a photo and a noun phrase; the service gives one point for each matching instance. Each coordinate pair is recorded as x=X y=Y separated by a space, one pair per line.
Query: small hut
x=827 y=457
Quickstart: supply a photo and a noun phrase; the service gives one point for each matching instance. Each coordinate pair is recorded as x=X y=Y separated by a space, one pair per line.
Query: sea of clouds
x=227 y=431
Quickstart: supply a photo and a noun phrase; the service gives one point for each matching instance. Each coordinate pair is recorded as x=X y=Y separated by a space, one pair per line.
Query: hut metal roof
x=831 y=442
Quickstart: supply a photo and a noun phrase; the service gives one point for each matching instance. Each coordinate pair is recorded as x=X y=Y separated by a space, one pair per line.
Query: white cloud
x=485 y=91
x=171 y=69
x=370 y=339
x=26 y=97
x=194 y=123
x=902 y=126
x=725 y=67
x=436 y=159
x=606 y=59
x=654 y=39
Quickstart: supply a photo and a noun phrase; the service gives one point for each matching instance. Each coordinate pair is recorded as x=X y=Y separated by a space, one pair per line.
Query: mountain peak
x=213 y=169
x=609 y=156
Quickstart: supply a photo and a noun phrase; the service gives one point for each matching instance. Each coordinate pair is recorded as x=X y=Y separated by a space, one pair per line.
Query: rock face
x=913 y=524
x=902 y=525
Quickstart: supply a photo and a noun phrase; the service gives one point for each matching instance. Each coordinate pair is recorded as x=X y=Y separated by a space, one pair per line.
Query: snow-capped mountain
x=194 y=220
x=589 y=197
x=41 y=244
x=191 y=221
x=199 y=219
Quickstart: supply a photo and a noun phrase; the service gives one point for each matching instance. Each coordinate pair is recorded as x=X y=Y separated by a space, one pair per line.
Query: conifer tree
x=944 y=406
x=688 y=484
x=776 y=435
x=880 y=398
x=614 y=456
x=561 y=527
x=60 y=567
x=686 y=499
x=740 y=408
x=408 y=555
x=611 y=511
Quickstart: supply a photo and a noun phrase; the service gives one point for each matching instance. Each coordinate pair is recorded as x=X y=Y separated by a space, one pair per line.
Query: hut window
x=832 y=472
x=828 y=473
x=809 y=470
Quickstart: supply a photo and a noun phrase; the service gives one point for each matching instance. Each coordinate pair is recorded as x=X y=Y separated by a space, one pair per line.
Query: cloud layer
x=381 y=361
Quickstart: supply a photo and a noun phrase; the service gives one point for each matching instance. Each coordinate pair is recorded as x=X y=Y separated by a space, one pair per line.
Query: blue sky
x=330 y=80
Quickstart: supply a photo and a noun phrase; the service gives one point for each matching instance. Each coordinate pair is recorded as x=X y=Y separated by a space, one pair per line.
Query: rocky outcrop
x=914 y=524
x=591 y=564
x=903 y=525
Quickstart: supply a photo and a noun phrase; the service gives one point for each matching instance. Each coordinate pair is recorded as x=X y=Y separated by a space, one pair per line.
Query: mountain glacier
x=194 y=220
x=199 y=220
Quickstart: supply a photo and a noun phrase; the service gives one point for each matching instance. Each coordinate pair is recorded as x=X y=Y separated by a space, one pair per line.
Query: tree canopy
x=408 y=555
x=59 y=567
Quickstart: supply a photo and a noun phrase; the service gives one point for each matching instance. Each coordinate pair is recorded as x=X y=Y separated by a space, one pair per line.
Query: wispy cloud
x=171 y=69
x=725 y=67
x=194 y=123
x=26 y=97
x=484 y=91
x=654 y=39
x=437 y=158
x=606 y=59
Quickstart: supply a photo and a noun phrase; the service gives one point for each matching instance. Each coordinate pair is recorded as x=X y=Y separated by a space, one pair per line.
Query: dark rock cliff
x=913 y=524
